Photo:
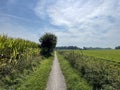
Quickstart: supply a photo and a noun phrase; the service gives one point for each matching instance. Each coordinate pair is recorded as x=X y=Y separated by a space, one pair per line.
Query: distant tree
x=118 y=47
x=84 y=48
x=47 y=43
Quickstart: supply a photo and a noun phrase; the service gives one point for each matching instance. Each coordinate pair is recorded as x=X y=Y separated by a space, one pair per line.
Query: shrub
x=47 y=43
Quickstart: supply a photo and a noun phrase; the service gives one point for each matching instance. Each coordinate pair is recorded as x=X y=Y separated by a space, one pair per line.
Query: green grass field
x=104 y=54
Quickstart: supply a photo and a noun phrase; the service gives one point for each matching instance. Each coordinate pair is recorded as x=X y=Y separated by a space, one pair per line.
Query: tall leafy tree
x=47 y=43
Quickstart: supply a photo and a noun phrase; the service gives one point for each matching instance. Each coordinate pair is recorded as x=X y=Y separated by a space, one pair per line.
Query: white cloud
x=91 y=22
x=70 y=13
x=87 y=22
x=39 y=10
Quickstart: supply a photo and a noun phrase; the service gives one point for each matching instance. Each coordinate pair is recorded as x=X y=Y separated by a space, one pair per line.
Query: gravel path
x=56 y=79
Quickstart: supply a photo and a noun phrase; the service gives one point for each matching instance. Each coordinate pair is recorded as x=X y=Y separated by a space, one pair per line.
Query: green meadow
x=104 y=54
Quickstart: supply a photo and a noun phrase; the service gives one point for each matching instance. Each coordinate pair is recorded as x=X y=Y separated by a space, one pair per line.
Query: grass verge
x=38 y=79
x=72 y=76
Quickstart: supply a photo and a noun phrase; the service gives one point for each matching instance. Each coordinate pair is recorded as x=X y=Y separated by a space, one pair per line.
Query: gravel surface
x=56 y=79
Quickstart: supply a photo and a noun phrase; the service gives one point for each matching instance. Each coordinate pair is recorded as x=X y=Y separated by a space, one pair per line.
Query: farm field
x=113 y=55
x=102 y=74
x=21 y=65
x=60 y=45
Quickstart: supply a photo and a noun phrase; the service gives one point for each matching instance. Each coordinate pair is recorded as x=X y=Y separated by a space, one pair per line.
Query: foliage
x=18 y=58
x=96 y=48
x=68 y=48
x=118 y=47
x=47 y=43
x=102 y=74
x=72 y=77
x=38 y=79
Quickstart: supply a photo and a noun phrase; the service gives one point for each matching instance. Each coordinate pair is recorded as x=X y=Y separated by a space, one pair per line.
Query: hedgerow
x=102 y=74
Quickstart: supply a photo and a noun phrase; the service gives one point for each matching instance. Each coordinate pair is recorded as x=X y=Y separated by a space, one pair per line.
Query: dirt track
x=56 y=79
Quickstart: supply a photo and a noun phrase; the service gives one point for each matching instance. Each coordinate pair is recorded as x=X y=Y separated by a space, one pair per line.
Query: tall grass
x=38 y=79
x=73 y=79
x=18 y=58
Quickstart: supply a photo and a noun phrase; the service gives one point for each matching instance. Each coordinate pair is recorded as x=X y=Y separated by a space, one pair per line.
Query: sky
x=89 y=23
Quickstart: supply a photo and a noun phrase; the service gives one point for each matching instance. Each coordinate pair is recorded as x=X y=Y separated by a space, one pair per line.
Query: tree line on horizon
x=84 y=48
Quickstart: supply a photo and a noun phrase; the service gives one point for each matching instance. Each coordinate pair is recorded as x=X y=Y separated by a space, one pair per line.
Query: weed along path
x=56 y=79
